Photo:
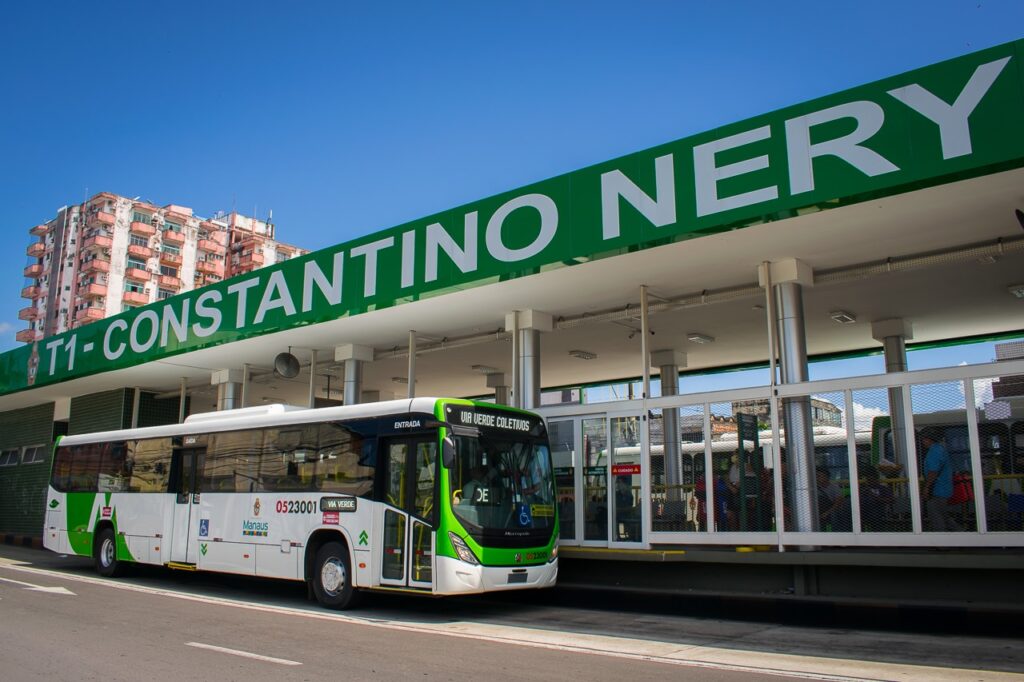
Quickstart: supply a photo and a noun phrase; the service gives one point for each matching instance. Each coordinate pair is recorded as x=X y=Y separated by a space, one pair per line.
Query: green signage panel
x=952 y=120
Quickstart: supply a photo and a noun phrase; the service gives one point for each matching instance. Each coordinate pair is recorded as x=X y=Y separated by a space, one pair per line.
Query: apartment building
x=111 y=253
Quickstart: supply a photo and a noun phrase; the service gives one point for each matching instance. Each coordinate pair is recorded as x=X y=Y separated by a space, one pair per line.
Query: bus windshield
x=502 y=485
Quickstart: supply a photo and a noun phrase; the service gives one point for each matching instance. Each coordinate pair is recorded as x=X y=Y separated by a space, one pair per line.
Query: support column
x=136 y=398
x=246 y=375
x=530 y=324
x=312 y=378
x=181 y=400
x=227 y=382
x=789 y=277
x=411 y=374
x=353 y=356
x=893 y=333
x=668 y=362
x=500 y=386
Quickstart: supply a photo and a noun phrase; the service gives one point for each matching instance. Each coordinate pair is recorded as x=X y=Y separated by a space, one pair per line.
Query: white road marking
x=681 y=654
x=39 y=588
x=244 y=654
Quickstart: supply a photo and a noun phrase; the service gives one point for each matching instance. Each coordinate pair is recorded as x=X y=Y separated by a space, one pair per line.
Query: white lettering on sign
x=954 y=132
x=410 y=424
x=869 y=117
x=242 y=289
x=330 y=288
x=660 y=211
x=109 y=352
x=275 y=295
x=707 y=173
x=494 y=421
x=548 y=226
x=369 y=252
x=464 y=257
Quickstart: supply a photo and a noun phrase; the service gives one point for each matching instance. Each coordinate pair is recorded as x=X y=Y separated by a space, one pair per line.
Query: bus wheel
x=332 y=577
x=107 y=564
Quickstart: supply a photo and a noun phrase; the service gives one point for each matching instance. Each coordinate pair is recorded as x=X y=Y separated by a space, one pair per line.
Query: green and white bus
x=429 y=495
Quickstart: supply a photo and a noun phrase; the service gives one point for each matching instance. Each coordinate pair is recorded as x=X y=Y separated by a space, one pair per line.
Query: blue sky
x=346 y=118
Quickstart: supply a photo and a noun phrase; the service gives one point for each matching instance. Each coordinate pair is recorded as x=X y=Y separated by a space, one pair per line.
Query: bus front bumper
x=458 y=577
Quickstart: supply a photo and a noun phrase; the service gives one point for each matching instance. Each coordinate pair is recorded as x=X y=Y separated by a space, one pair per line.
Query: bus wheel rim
x=107 y=552
x=332 y=576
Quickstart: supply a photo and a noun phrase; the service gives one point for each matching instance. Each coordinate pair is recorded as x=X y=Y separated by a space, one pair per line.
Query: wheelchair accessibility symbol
x=524 y=516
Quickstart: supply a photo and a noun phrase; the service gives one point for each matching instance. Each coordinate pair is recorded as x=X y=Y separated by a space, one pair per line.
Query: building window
x=33 y=454
x=125 y=307
x=141 y=217
x=136 y=263
x=167 y=248
x=163 y=294
x=9 y=458
x=168 y=271
x=172 y=227
x=138 y=240
x=134 y=288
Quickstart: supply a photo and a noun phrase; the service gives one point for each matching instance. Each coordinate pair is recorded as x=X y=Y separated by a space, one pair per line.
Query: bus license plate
x=517 y=578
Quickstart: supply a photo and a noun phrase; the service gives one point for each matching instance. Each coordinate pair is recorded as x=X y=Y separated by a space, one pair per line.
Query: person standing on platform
x=938 y=482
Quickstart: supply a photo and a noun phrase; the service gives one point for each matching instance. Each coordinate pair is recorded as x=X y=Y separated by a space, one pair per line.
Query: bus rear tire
x=332 y=577
x=105 y=553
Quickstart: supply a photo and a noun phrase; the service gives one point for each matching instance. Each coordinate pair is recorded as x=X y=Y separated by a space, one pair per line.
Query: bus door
x=410 y=469
x=613 y=481
x=186 y=472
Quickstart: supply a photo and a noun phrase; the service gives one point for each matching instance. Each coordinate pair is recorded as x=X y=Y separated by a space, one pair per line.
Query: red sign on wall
x=623 y=469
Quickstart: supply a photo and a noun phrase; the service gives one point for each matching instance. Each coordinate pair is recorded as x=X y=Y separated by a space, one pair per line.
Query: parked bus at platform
x=429 y=495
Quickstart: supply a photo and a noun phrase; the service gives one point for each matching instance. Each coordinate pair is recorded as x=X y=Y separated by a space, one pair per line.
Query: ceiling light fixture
x=485 y=369
x=842 y=317
x=695 y=337
x=1016 y=290
x=400 y=380
x=583 y=354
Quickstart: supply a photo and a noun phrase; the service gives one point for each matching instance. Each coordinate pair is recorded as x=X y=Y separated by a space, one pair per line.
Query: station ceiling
x=950 y=296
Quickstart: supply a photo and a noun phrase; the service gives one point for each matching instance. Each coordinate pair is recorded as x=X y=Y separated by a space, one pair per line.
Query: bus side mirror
x=448 y=452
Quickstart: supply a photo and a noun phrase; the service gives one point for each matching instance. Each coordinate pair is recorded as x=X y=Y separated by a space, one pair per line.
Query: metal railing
x=871 y=486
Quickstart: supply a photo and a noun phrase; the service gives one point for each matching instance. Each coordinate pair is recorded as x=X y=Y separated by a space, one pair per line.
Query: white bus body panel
x=458 y=577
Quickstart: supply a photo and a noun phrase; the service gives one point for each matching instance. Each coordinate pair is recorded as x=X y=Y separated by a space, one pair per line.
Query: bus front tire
x=107 y=563
x=332 y=577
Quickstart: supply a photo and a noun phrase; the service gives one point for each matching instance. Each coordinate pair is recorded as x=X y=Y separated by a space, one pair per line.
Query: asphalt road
x=157 y=624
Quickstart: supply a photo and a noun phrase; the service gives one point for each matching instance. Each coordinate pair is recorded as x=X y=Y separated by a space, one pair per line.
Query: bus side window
x=150 y=465
x=61 y=479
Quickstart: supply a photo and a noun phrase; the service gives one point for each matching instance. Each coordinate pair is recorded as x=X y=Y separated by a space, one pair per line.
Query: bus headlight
x=462 y=549
x=554 y=554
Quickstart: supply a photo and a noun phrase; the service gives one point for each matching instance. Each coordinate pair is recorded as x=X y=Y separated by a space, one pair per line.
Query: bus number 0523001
x=296 y=507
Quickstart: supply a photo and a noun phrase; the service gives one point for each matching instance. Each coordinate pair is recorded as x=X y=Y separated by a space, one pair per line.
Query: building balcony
x=39 y=230
x=135 y=297
x=173 y=237
x=31 y=292
x=209 y=267
x=255 y=259
x=168 y=282
x=211 y=246
x=142 y=229
x=168 y=258
x=98 y=264
x=33 y=271
x=143 y=252
x=89 y=314
x=94 y=290
x=30 y=313
x=138 y=275
x=36 y=250
x=100 y=218
x=99 y=241
x=27 y=336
